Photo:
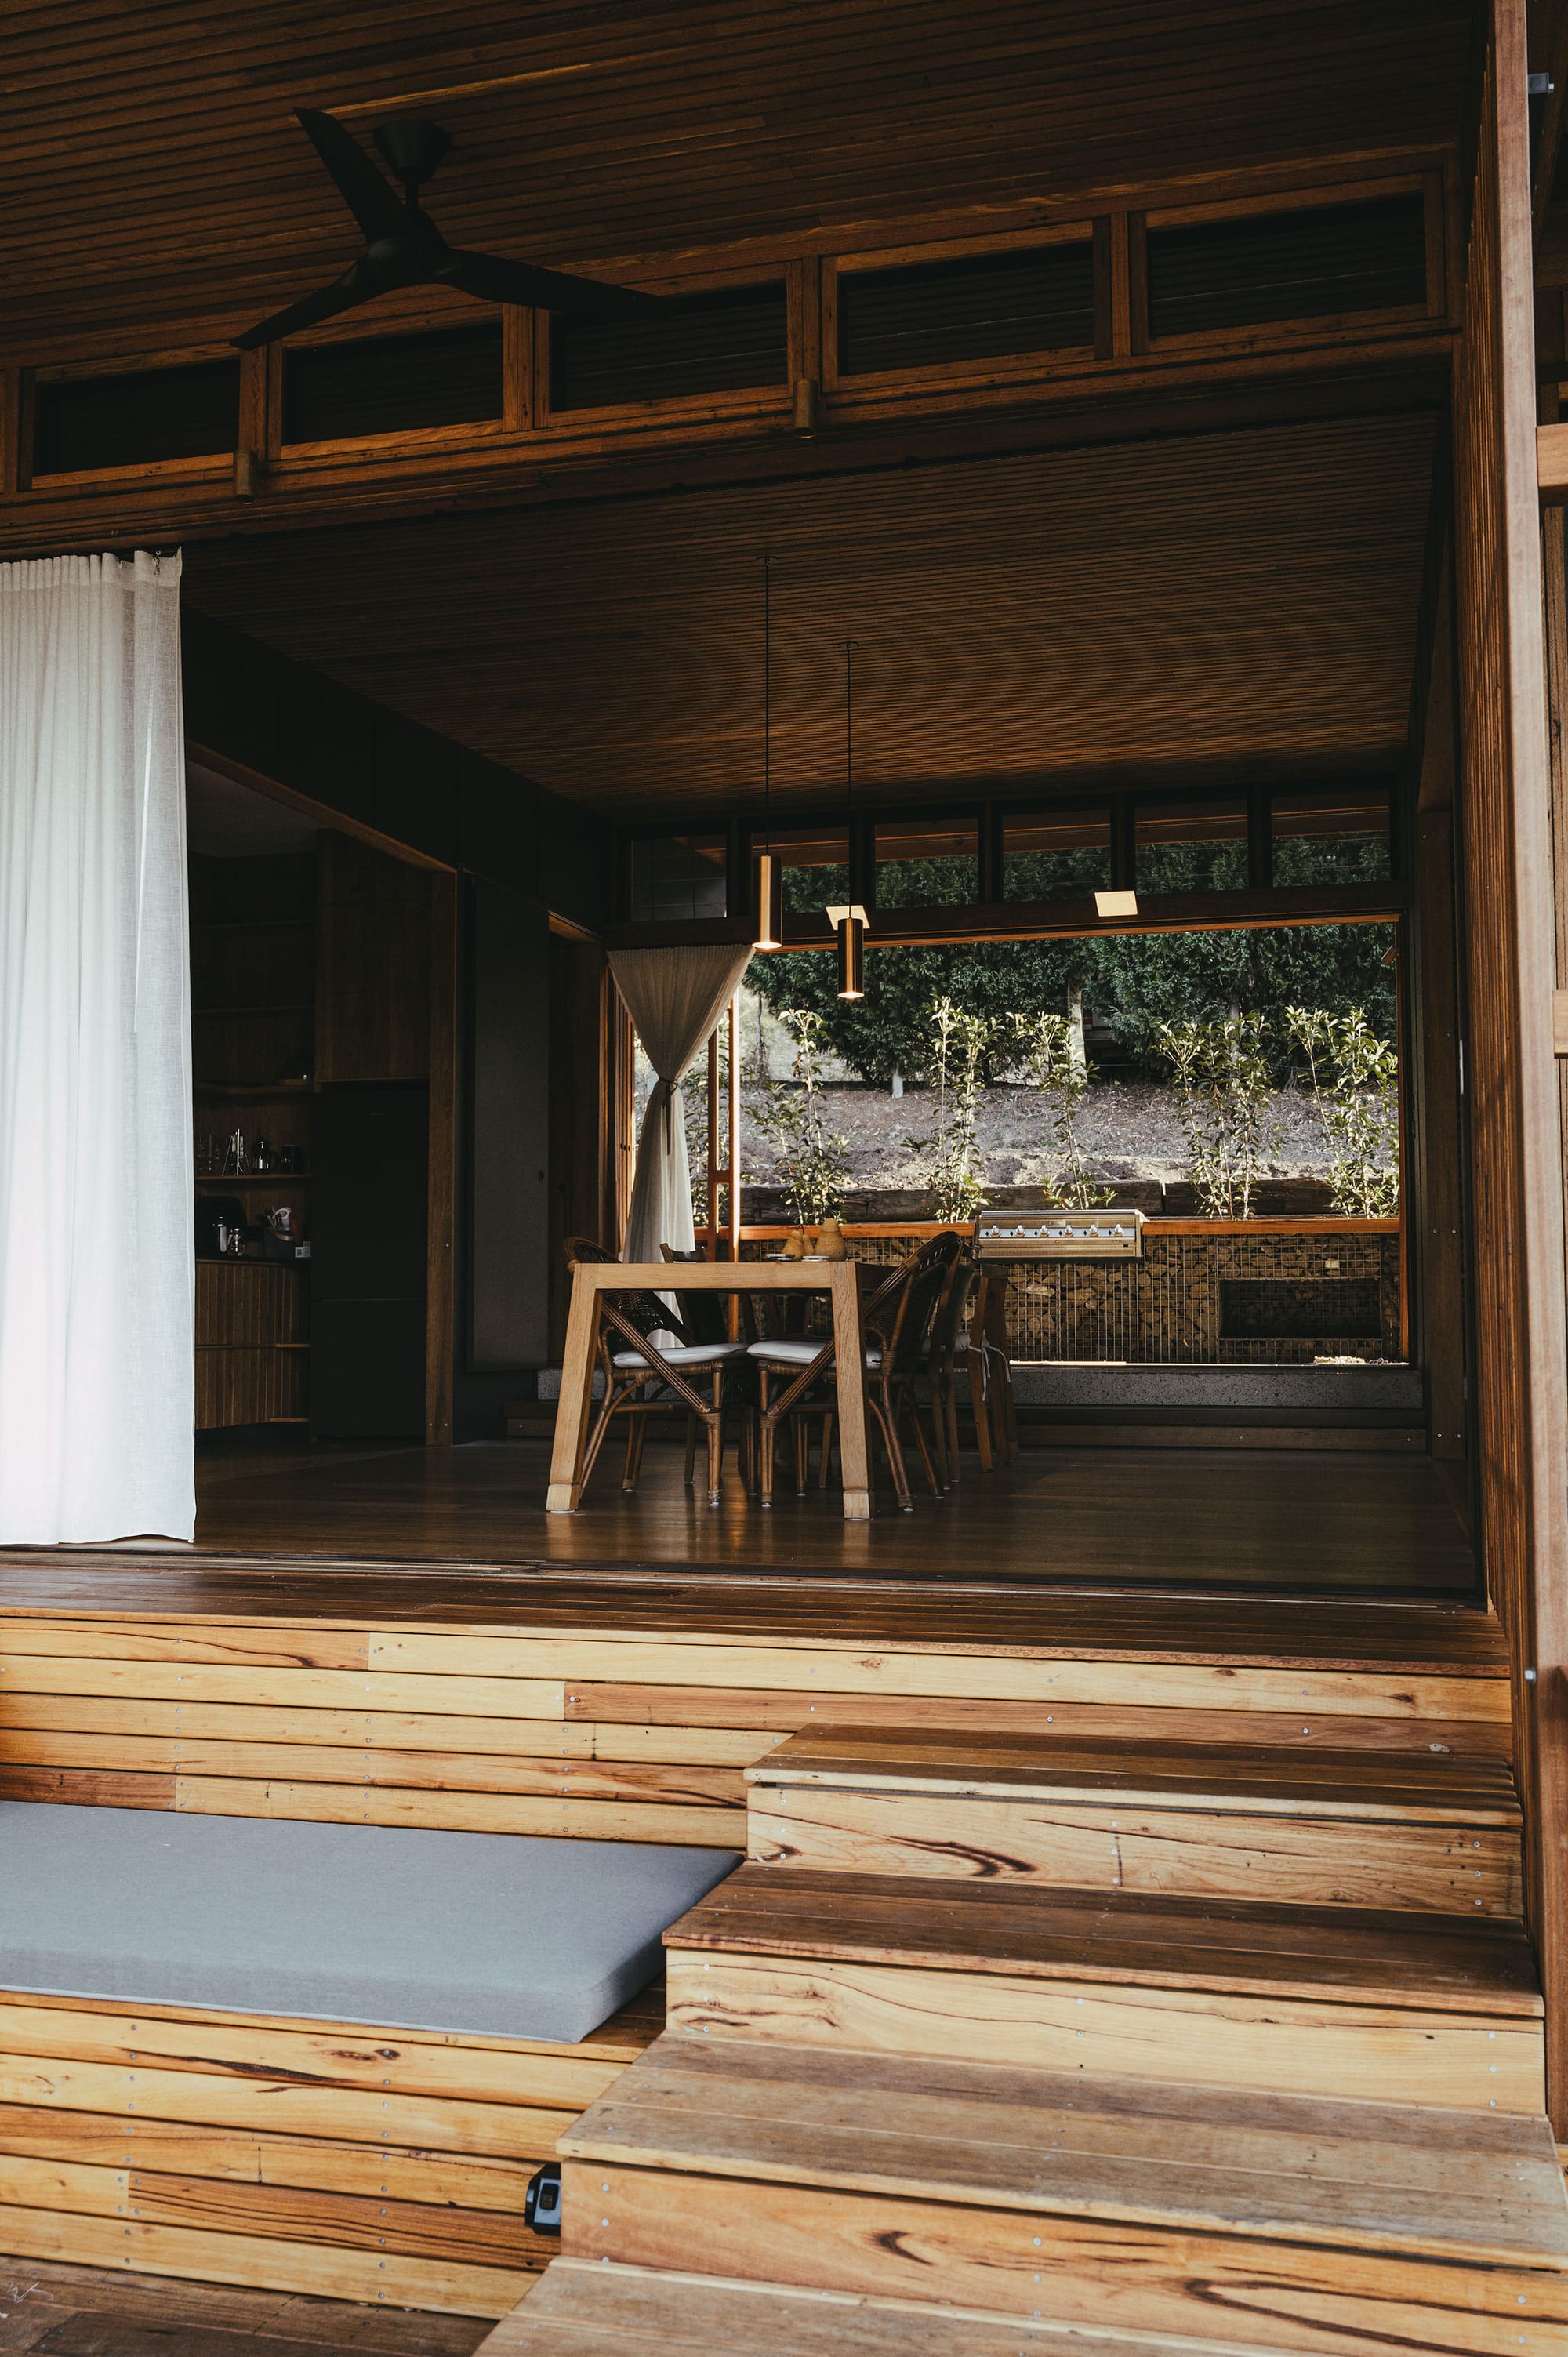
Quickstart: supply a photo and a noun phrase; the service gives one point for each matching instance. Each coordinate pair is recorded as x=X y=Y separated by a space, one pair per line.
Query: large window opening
x=1235 y=1093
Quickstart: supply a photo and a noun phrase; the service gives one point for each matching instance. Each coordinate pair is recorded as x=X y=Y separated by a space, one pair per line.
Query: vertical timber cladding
x=1506 y=831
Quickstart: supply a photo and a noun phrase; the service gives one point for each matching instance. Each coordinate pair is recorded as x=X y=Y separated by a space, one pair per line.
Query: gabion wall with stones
x=1214 y=1300
x=1206 y=1300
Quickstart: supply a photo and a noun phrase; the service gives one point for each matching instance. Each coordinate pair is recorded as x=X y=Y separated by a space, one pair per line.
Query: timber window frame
x=838 y=270
x=743 y=403
x=1286 y=332
x=992 y=915
x=1118 y=229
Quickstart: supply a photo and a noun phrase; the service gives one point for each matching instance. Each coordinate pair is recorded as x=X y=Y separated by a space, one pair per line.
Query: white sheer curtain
x=97 y=1268
x=674 y=998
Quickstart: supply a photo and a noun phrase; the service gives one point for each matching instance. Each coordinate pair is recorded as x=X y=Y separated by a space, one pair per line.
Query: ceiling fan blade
x=356 y=285
x=374 y=203
x=494 y=280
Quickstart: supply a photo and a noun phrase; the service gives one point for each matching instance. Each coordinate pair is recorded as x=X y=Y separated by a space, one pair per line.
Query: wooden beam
x=1552 y=463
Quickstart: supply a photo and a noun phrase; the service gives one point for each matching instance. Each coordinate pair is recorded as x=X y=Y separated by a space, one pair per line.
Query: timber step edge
x=1075 y=2200
x=1342 y=2001
x=578 y=2310
x=1436 y=1831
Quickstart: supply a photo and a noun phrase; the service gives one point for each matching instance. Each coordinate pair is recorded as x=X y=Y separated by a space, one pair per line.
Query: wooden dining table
x=592 y=1280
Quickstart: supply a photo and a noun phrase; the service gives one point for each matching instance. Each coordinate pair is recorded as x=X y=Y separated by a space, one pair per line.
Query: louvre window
x=926 y=863
x=393 y=384
x=1190 y=847
x=983 y=307
x=1333 y=836
x=677 y=877
x=816 y=865
x=1333 y=260
x=726 y=342
x=1055 y=855
x=91 y=422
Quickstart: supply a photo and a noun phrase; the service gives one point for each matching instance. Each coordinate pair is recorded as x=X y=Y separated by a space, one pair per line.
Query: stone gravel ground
x=1129 y=1129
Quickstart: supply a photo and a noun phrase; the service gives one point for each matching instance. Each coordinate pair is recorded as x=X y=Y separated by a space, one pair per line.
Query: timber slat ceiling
x=1237 y=597
x=154 y=188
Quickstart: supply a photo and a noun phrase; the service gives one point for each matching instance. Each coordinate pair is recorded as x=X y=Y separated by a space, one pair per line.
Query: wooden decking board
x=1248 y=1778
x=1476 y=2186
x=736 y=1726
x=1109 y=1721
x=577 y=2311
x=325 y=2157
x=319 y=2055
x=1105 y=2274
x=1103 y=1625
x=325 y=2218
x=1198 y=2037
x=1340 y=1861
x=254 y=2156
x=524 y=1773
x=1446 y=1964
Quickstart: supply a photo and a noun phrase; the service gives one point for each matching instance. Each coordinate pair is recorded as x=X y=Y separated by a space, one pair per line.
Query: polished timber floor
x=1344 y=1522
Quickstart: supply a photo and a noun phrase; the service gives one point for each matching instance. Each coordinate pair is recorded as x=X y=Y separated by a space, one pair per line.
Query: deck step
x=1337 y=2001
x=578 y=2310
x=1078 y=2200
x=1435 y=1832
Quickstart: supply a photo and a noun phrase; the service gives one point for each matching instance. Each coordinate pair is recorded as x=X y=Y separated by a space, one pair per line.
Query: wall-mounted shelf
x=250 y=1177
x=250 y=1088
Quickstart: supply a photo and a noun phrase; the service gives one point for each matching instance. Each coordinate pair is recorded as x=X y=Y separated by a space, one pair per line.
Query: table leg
x=576 y=1402
x=849 y=1359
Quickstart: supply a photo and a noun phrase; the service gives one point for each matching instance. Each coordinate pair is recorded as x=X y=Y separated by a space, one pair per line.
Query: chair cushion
x=684 y=1354
x=789 y=1352
x=504 y=1934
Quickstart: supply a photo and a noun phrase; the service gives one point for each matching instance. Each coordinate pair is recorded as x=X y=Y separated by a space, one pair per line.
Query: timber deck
x=1321 y=1523
x=1182 y=1842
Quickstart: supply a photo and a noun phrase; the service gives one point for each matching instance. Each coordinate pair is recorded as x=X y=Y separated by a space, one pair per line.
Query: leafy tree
x=1133 y=981
x=813 y=1158
x=1050 y=1060
x=956 y=1045
x=1353 y=1075
x=1224 y=1091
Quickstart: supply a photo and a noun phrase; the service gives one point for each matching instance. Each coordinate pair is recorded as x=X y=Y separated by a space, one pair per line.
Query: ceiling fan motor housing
x=412 y=148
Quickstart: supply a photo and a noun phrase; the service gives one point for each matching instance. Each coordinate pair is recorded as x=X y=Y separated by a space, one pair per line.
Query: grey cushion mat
x=499 y=1933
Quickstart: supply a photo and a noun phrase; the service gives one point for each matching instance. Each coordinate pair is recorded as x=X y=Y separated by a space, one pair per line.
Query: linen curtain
x=97 y=1252
x=674 y=998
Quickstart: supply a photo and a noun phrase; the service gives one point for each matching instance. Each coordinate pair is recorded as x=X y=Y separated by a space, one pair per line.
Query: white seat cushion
x=510 y=1935
x=684 y=1354
x=789 y=1352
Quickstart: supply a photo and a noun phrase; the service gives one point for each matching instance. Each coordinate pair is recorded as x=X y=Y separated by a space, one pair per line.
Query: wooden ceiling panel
x=1245 y=597
x=155 y=190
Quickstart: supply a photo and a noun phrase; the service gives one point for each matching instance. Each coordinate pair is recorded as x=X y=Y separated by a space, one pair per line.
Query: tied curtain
x=97 y=1256
x=674 y=998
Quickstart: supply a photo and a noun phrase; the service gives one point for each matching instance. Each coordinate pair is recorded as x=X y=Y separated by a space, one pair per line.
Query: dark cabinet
x=368 y=1263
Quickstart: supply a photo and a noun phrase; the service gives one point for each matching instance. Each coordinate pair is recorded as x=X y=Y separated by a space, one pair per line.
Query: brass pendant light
x=767 y=900
x=849 y=923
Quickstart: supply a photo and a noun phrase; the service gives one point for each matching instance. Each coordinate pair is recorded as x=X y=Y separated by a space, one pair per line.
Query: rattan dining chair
x=792 y=1373
x=647 y=1378
x=947 y=1347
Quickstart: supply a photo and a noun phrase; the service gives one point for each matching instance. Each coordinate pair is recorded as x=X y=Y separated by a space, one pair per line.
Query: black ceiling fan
x=404 y=248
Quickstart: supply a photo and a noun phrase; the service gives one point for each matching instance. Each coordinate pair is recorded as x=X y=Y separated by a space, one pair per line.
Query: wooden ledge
x=1552 y=463
x=1250 y=1779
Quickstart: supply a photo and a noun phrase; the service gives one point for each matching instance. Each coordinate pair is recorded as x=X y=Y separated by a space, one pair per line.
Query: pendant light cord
x=767 y=700
x=849 y=741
